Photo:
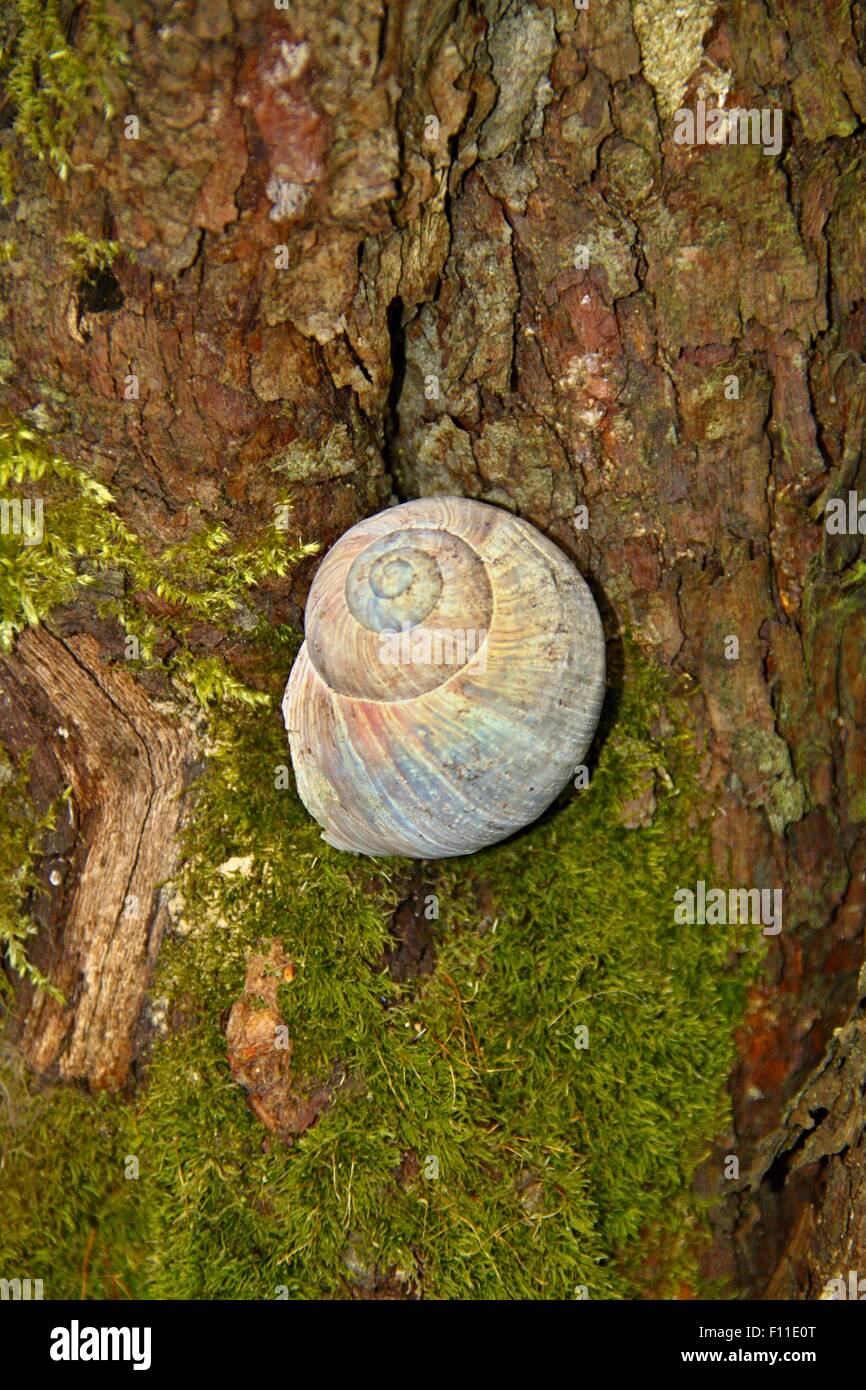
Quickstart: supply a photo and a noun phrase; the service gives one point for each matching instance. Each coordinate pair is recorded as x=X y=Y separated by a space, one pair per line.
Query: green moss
x=55 y=82
x=203 y=579
x=89 y=257
x=21 y=838
x=71 y=1217
x=35 y=578
x=7 y=178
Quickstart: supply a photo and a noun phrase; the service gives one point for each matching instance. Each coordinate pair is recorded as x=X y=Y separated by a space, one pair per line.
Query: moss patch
x=79 y=537
x=22 y=833
x=70 y=1215
x=62 y=62
x=478 y=1149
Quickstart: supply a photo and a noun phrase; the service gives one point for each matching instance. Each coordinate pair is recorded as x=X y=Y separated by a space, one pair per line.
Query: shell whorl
x=428 y=759
x=377 y=582
x=399 y=584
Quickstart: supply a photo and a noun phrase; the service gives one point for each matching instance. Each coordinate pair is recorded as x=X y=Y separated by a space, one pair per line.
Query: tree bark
x=379 y=251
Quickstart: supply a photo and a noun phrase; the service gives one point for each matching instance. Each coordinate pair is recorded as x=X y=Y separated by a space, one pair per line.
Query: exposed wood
x=126 y=765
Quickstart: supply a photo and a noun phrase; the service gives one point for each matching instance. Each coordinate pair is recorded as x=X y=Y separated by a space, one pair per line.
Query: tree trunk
x=379 y=251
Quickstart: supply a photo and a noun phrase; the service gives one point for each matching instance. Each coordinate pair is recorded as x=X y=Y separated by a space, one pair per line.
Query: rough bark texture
x=430 y=333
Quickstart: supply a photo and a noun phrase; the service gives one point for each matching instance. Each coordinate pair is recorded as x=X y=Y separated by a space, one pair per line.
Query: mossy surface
x=59 y=63
x=201 y=579
x=553 y=1160
x=22 y=833
x=514 y=1124
x=68 y=1211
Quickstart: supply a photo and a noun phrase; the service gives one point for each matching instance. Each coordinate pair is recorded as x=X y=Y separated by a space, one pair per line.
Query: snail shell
x=450 y=682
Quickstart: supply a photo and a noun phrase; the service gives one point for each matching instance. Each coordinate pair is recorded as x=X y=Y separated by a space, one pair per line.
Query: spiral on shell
x=450 y=682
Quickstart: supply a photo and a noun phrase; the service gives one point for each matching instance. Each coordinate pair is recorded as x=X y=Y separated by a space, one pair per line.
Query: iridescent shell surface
x=450 y=682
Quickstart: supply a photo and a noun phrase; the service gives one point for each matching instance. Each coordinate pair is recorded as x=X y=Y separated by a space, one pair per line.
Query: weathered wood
x=126 y=765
